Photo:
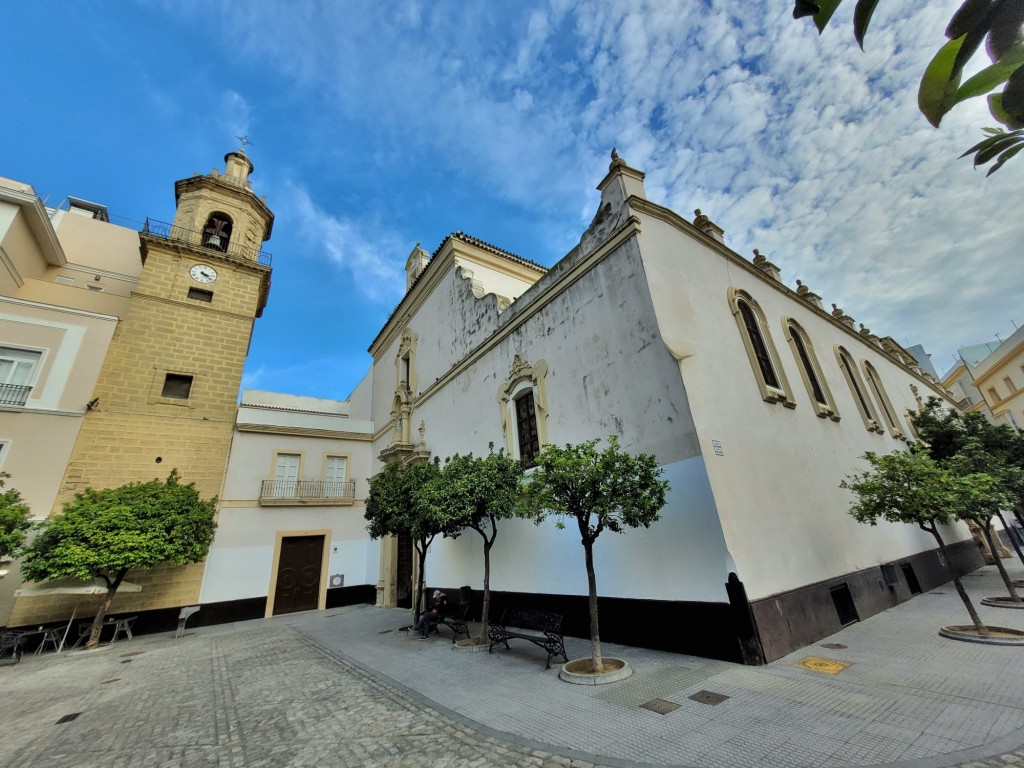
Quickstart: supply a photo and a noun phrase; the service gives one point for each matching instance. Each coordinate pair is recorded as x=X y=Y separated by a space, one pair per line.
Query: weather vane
x=245 y=141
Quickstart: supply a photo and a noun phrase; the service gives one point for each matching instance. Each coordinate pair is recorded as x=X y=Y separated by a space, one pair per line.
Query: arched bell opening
x=217 y=232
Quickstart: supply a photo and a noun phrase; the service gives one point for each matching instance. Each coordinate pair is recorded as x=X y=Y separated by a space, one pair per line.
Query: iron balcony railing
x=166 y=231
x=308 y=489
x=14 y=394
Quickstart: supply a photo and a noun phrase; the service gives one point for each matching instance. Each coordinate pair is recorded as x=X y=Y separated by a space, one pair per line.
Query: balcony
x=165 y=231
x=14 y=394
x=297 y=493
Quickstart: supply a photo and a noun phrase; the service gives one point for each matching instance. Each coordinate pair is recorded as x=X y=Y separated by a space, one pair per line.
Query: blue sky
x=380 y=125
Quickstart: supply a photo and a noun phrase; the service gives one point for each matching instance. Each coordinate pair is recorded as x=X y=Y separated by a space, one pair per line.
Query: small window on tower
x=177 y=386
x=200 y=295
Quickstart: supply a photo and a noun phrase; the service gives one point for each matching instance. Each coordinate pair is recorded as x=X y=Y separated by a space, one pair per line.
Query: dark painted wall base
x=700 y=629
x=795 y=619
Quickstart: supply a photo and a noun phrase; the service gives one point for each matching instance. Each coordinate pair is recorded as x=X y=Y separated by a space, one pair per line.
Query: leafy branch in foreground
x=997 y=23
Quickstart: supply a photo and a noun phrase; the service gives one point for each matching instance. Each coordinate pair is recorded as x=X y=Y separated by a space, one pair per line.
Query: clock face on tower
x=203 y=273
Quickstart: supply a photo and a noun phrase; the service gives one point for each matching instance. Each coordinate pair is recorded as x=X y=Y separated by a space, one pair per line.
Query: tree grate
x=660 y=706
x=833 y=646
x=709 y=697
x=68 y=718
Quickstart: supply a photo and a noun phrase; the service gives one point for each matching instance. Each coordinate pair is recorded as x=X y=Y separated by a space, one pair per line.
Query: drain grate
x=68 y=718
x=833 y=646
x=660 y=706
x=111 y=680
x=709 y=697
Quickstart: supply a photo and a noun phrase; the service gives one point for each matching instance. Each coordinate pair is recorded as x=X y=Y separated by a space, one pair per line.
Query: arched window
x=883 y=399
x=764 y=360
x=217 y=232
x=524 y=409
x=860 y=395
x=810 y=371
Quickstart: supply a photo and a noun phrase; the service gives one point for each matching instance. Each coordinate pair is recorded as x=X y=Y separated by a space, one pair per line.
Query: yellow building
x=166 y=395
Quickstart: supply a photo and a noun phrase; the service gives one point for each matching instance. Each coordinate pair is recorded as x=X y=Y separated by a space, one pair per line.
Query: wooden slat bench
x=541 y=628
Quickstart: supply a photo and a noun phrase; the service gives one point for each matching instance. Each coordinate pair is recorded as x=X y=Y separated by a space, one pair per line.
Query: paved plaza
x=346 y=688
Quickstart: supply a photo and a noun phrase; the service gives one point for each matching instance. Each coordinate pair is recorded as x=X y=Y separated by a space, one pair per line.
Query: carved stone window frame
x=791 y=329
x=861 y=398
x=521 y=377
x=871 y=374
x=407 y=350
x=782 y=393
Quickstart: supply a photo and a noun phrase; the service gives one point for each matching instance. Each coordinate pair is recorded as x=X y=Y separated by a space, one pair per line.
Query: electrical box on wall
x=338 y=580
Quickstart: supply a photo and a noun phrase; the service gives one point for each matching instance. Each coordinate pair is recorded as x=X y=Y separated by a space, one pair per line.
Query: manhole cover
x=833 y=646
x=661 y=706
x=709 y=697
x=111 y=680
x=68 y=718
x=828 y=666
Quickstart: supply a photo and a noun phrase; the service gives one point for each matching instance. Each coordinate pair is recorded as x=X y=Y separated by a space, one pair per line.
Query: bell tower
x=168 y=390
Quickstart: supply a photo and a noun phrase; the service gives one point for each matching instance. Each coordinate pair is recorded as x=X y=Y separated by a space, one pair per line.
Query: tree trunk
x=1011 y=537
x=986 y=528
x=595 y=635
x=485 y=610
x=982 y=629
x=101 y=614
x=417 y=598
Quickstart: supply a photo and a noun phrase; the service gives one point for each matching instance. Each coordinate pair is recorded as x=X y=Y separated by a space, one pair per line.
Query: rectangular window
x=286 y=476
x=993 y=394
x=17 y=374
x=526 y=423
x=200 y=295
x=843 y=601
x=177 y=386
x=334 y=477
x=1009 y=384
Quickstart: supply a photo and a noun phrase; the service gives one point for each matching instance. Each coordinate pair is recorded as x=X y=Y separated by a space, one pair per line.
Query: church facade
x=754 y=398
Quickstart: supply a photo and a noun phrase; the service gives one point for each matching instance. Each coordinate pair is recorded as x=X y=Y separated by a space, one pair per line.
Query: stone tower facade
x=168 y=390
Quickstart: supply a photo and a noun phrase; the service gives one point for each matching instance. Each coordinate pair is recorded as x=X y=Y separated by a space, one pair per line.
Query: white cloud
x=373 y=263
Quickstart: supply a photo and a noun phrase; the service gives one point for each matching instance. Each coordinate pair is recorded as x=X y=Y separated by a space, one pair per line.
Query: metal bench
x=12 y=645
x=541 y=628
x=454 y=617
x=183 y=617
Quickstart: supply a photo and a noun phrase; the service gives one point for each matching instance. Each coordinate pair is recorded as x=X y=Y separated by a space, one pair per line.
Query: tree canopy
x=997 y=23
x=910 y=487
x=14 y=520
x=105 y=533
x=397 y=505
x=475 y=493
x=601 y=490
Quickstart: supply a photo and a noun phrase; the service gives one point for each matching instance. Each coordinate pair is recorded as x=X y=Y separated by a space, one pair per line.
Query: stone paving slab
x=346 y=688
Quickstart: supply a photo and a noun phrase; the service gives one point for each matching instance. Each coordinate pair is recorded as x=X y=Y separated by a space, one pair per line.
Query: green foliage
x=106 y=532
x=904 y=487
x=397 y=504
x=969 y=443
x=999 y=24
x=14 y=520
x=477 y=492
x=599 y=489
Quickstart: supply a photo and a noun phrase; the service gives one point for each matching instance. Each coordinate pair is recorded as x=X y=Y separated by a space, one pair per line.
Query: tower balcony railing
x=14 y=394
x=169 y=232
x=299 y=492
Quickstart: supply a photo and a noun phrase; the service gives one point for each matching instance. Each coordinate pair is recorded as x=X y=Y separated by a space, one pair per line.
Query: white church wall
x=608 y=373
x=777 y=483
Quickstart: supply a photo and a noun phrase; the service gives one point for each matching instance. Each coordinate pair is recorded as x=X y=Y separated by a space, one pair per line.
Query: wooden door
x=298 y=574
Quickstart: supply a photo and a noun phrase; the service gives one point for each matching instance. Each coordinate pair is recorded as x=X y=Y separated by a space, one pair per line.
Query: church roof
x=469 y=240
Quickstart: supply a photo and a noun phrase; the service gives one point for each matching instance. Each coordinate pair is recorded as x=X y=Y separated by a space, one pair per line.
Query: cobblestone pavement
x=346 y=688
x=253 y=698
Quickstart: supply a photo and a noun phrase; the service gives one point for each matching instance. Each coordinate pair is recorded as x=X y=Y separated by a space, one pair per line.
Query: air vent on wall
x=338 y=580
x=61 y=280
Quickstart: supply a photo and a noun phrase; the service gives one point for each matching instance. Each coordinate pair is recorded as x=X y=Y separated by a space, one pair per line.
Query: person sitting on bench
x=440 y=601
